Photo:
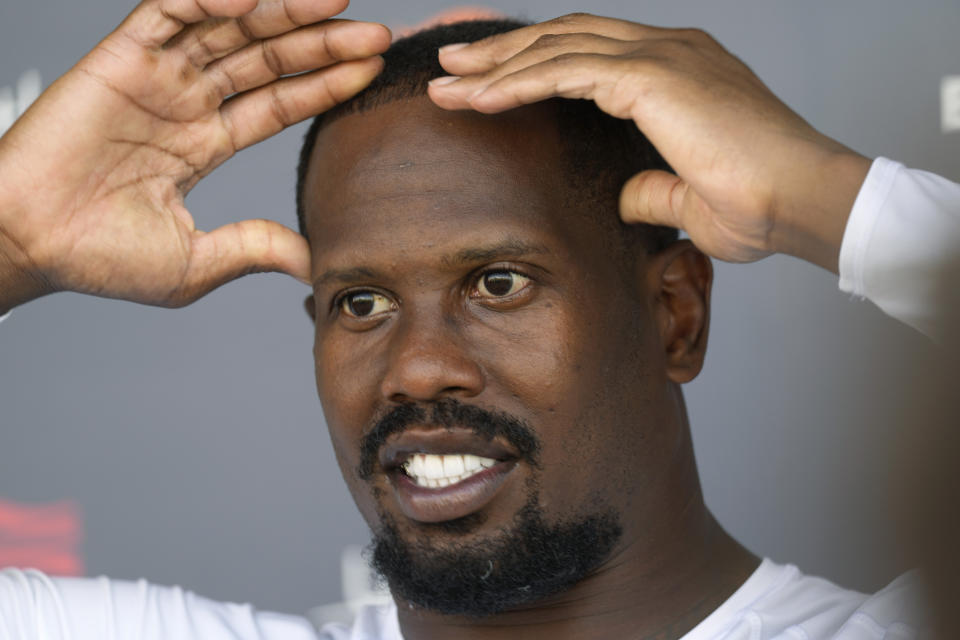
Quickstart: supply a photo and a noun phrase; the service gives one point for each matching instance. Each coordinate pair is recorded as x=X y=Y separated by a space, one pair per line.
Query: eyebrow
x=509 y=249
x=346 y=276
x=503 y=250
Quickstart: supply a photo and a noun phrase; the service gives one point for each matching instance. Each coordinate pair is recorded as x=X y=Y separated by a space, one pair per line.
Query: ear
x=680 y=277
x=311 y=306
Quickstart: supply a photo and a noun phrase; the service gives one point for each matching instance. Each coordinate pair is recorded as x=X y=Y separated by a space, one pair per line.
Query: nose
x=428 y=361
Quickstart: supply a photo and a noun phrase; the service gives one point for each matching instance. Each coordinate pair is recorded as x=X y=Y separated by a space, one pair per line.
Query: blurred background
x=188 y=446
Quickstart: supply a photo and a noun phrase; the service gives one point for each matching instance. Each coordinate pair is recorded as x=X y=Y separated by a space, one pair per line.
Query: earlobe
x=681 y=277
x=311 y=307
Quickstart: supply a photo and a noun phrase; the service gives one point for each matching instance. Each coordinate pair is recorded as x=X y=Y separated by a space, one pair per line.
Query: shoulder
x=780 y=602
x=821 y=609
x=898 y=610
x=34 y=606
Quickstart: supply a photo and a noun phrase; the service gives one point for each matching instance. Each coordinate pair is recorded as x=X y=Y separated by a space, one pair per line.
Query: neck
x=674 y=566
x=635 y=594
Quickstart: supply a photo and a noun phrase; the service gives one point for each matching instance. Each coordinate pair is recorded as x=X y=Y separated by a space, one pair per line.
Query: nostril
x=399 y=398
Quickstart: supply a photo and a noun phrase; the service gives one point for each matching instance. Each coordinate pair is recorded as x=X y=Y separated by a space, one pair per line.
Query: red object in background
x=45 y=537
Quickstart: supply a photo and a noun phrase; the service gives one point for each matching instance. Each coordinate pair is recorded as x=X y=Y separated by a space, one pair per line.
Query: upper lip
x=441 y=441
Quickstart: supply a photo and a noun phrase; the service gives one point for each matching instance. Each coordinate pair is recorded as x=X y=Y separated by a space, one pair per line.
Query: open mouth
x=441 y=475
x=437 y=471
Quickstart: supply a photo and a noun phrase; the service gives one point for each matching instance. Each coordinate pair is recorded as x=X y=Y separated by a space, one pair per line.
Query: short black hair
x=602 y=152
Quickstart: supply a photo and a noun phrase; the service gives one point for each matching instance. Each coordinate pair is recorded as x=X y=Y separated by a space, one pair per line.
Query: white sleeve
x=34 y=606
x=901 y=247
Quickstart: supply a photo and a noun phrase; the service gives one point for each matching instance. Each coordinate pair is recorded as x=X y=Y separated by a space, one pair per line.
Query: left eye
x=500 y=284
x=364 y=304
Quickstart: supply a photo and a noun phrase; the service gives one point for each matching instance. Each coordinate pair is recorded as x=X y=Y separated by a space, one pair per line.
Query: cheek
x=343 y=385
x=595 y=381
x=568 y=353
x=347 y=384
x=529 y=357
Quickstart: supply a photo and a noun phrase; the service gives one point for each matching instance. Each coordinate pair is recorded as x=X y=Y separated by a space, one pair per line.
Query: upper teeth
x=434 y=471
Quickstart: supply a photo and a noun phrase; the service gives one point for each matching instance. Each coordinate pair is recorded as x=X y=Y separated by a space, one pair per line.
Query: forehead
x=408 y=167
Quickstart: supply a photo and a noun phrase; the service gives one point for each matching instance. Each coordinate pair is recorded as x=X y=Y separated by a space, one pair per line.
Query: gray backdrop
x=193 y=439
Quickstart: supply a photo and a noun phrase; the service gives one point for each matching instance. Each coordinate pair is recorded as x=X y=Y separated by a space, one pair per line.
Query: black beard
x=491 y=574
x=484 y=574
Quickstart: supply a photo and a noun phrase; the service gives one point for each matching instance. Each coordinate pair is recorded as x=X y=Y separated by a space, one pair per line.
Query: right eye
x=365 y=304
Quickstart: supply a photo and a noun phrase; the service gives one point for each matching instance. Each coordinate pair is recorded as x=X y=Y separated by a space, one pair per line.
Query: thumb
x=250 y=246
x=653 y=197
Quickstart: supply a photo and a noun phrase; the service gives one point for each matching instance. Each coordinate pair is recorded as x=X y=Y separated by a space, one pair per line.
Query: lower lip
x=426 y=504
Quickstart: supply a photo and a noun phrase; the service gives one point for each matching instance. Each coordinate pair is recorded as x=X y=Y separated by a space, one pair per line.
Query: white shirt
x=776 y=602
x=903 y=231
x=901 y=247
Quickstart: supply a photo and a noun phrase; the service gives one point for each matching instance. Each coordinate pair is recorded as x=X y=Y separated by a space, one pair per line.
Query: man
x=498 y=359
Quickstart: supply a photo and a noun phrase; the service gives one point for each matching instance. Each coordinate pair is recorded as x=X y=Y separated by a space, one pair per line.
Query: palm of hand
x=119 y=209
x=103 y=160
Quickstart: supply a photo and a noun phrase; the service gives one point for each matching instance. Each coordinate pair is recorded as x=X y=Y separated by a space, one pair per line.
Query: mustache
x=447 y=414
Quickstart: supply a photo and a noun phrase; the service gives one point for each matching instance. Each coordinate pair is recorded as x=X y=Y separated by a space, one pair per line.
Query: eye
x=365 y=304
x=500 y=284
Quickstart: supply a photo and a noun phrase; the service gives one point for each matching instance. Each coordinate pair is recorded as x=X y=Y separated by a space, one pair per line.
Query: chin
x=462 y=567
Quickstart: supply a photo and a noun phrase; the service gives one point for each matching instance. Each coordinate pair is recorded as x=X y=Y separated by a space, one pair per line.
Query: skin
x=753 y=178
x=93 y=177
x=590 y=353
x=95 y=173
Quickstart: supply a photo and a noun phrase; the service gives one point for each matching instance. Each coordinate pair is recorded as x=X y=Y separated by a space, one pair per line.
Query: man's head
x=599 y=152
x=496 y=354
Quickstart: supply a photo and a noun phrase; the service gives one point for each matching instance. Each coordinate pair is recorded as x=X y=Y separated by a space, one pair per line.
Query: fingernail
x=450 y=48
x=443 y=80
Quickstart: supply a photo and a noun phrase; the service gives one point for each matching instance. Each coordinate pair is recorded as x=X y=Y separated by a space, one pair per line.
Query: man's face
x=483 y=358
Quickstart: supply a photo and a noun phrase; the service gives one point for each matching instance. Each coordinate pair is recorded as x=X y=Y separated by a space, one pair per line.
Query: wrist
x=20 y=279
x=813 y=217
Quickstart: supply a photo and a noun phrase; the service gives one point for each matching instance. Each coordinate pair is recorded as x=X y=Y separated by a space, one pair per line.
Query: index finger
x=481 y=56
x=155 y=22
x=205 y=42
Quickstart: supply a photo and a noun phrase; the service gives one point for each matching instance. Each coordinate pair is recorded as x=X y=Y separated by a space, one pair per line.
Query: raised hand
x=93 y=175
x=753 y=177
